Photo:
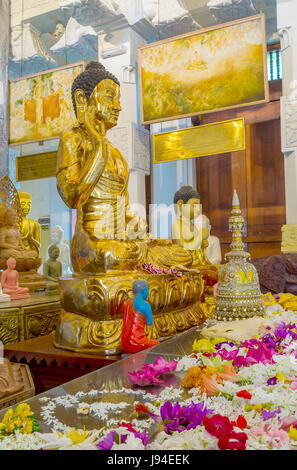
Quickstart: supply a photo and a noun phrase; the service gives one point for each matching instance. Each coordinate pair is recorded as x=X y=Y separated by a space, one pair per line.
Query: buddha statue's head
x=98 y=90
x=141 y=287
x=11 y=263
x=187 y=201
x=25 y=199
x=8 y=217
x=53 y=252
x=57 y=234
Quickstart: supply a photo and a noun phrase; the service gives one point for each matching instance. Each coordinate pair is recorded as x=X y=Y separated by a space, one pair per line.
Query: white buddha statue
x=213 y=251
x=57 y=235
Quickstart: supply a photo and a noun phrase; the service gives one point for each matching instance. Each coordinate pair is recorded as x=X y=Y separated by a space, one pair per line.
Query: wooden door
x=258 y=176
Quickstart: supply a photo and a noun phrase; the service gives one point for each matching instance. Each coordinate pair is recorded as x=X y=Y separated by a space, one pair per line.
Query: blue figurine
x=137 y=315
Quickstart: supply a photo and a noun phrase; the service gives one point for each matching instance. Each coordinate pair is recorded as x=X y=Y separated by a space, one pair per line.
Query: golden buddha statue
x=110 y=243
x=11 y=243
x=30 y=230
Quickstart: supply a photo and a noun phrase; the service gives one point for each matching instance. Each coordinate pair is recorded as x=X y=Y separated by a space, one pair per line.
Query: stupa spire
x=238 y=293
x=236 y=224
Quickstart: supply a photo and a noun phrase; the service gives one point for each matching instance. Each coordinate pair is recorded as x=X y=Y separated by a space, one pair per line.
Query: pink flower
x=279 y=438
x=257 y=432
x=287 y=421
x=293 y=386
x=149 y=373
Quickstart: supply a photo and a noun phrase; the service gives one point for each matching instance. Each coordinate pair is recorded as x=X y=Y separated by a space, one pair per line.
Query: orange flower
x=228 y=373
x=208 y=378
x=192 y=378
x=141 y=408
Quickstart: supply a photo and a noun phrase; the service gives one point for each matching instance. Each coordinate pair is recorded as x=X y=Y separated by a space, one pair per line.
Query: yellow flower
x=209 y=370
x=218 y=340
x=203 y=345
x=25 y=414
x=10 y=427
x=17 y=422
x=28 y=428
x=248 y=408
x=77 y=436
x=258 y=408
x=2 y=427
x=292 y=433
x=7 y=416
x=21 y=408
x=280 y=376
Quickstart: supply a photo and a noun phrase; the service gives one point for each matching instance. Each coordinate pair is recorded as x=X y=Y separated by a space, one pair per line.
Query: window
x=274 y=64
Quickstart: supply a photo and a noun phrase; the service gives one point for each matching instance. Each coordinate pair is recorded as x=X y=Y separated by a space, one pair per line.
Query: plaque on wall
x=36 y=166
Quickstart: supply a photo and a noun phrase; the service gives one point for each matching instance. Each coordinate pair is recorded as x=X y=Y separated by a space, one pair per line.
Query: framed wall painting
x=204 y=71
x=40 y=105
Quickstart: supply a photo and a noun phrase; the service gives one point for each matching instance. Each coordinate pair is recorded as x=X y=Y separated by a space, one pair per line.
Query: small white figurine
x=213 y=251
x=57 y=234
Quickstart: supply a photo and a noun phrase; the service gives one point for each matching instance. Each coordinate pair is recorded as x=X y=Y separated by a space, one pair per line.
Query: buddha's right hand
x=94 y=126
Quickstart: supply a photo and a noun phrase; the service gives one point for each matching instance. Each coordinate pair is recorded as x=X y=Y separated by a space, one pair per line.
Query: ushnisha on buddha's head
x=96 y=97
x=25 y=199
x=187 y=201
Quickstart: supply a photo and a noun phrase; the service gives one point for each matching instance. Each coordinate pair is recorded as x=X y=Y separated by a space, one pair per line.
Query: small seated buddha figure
x=137 y=315
x=213 y=251
x=11 y=244
x=57 y=234
x=184 y=229
x=30 y=232
x=10 y=282
x=11 y=380
x=52 y=270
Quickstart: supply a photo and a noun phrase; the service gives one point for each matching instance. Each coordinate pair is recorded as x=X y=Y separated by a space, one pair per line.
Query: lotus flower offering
x=149 y=374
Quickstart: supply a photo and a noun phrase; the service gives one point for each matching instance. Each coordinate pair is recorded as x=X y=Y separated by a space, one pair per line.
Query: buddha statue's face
x=56 y=235
x=106 y=100
x=11 y=218
x=54 y=253
x=25 y=203
x=11 y=263
x=190 y=209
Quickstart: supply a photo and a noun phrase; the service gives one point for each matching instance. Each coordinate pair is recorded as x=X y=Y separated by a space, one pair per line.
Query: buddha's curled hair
x=185 y=193
x=87 y=81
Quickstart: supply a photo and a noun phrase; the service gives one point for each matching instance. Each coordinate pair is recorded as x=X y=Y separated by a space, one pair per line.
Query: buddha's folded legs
x=101 y=256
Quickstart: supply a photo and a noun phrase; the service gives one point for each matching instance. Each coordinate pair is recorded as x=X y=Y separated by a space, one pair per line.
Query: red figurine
x=137 y=314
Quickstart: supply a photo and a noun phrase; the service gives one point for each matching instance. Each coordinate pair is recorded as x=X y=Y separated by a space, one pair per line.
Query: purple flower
x=271 y=381
x=269 y=340
x=144 y=436
x=169 y=411
x=107 y=442
x=266 y=414
x=194 y=414
x=219 y=345
x=282 y=330
x=178 y=419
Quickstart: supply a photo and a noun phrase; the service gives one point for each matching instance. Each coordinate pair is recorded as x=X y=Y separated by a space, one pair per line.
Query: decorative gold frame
x=183 y=141
x=63 y=67
x=260 y=16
